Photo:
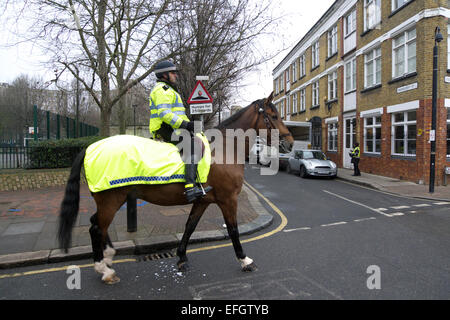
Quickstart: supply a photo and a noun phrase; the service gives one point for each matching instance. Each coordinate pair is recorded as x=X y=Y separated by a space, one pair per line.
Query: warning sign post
x=200 y=101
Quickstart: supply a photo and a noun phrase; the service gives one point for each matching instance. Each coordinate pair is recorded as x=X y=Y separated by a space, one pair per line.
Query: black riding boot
x=193 y=191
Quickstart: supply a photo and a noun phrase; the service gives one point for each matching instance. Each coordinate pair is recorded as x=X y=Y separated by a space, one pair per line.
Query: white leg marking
x=102 y=268
x=245 y=262
x=108 y=255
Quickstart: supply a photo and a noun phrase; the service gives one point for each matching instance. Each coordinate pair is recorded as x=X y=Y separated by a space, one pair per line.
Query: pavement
x=28 y=221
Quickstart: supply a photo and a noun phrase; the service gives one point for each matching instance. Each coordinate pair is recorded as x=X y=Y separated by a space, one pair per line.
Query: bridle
x=267 y=121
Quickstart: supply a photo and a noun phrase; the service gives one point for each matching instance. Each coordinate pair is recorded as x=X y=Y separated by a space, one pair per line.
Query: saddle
x=129 y=160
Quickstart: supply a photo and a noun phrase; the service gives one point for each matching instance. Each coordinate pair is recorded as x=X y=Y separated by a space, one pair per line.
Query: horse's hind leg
x=102 y=252
x=229 y=211
x=194 y=216
x=107 y=205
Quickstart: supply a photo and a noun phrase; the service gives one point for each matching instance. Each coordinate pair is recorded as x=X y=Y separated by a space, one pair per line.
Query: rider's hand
x=189 y=126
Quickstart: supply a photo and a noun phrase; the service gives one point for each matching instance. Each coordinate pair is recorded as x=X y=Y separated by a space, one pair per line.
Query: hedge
x=50 y=154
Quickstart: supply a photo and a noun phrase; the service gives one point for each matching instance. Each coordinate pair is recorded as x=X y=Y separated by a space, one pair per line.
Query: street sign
x=201 y=108
x=199 y=95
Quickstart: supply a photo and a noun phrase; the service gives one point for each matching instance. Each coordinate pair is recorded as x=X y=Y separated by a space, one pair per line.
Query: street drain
x=156 y=256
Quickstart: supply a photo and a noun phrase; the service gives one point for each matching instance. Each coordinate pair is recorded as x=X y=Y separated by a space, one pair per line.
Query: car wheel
x=303 y=173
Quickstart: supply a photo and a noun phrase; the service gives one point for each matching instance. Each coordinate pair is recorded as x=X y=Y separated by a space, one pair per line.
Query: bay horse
x=226 y=179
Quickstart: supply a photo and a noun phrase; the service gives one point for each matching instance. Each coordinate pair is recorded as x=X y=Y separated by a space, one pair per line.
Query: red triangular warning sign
x=199 y=94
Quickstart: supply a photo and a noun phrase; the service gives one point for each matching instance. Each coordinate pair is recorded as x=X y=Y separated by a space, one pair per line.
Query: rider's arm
x=165 y=102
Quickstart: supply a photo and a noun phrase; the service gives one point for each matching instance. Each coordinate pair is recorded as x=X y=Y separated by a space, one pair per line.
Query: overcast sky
x=299 y=17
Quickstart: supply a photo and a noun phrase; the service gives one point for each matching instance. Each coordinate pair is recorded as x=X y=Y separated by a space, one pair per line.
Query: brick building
x=363 y=73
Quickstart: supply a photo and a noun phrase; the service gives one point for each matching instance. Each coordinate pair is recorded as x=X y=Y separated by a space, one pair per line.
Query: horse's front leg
x=229 y=211
x=194 y=217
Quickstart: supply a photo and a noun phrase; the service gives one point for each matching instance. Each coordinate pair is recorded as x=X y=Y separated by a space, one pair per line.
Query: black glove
x=189 y=126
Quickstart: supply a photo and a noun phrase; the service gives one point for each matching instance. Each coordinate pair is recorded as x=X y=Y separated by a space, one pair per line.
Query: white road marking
x=412 y=211
x=382 y=209
x=400 y=207
x=333 y=224
x=364 y=219
x=422 y=205
x=358 y=203
x=396 y=214
x=441 y=203
x=297 y=229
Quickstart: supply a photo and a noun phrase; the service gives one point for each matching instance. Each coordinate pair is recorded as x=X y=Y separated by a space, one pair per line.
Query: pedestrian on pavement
x=355 y=154
x=167 y=114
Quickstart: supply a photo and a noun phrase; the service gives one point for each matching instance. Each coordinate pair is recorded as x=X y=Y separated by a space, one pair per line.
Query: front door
x=349 y=138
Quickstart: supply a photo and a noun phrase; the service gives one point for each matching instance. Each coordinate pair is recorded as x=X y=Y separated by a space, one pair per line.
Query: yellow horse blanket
x=129 y=160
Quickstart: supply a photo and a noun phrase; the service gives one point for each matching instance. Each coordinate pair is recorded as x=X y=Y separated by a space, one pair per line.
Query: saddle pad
x=128 y=160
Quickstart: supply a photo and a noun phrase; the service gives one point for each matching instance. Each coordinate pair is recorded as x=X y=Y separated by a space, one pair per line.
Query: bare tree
x=110 y=46
x=104 y=44
x=224 y=34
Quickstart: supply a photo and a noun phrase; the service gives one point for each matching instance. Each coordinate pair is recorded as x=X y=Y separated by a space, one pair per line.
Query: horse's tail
x=70 y=203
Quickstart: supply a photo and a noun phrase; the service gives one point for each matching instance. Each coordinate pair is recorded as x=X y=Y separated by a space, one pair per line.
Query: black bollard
x=131 y=212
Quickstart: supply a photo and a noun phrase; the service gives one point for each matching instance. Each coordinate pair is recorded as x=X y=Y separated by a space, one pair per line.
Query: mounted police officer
x=167 y=114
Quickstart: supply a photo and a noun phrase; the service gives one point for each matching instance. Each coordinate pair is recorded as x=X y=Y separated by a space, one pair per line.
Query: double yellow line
x=265 y=235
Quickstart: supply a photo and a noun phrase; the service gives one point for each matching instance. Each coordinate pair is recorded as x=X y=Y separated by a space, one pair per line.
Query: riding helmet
x=163 y=67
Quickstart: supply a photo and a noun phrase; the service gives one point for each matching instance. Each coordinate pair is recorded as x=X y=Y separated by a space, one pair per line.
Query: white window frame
x=372 y=13
x=350 y=23
x=295 y=102
x=398 y=4
x=405 y=123
x=294 y=71
x=448 y=133
x=376 y=127
x=302 y=65
x=332 y=85
x=333 y=136
x=350 y=75
x=282 y=82
x=448 y=46
x=315 y=94
x=332 y=41
x=287 y=75
x=315 y=54
x=302 y=99
x=406 y=45
x=372 y=67
x=277 y=86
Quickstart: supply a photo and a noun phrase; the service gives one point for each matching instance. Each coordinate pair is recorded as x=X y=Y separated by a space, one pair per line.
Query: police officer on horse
x=167 y=115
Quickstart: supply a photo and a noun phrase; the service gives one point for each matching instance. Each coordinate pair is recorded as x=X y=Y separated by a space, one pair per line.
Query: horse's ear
x=269 y=99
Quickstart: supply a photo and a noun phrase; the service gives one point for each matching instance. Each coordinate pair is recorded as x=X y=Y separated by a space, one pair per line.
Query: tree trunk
x=105 y=123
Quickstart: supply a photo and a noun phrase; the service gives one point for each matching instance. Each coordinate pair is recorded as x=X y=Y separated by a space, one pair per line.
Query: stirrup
x=195 y=193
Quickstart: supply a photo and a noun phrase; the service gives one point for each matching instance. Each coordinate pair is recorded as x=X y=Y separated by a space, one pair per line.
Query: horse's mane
x=237 y=115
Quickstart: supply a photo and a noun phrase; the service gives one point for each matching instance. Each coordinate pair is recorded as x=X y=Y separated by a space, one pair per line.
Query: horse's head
x=269 y=119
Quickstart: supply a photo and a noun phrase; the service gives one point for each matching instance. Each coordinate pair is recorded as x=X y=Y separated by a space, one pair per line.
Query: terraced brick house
x=363 y=73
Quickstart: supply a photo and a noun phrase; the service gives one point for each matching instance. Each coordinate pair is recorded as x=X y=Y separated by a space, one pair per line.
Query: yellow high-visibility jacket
x=166 y=106
x=356 y=153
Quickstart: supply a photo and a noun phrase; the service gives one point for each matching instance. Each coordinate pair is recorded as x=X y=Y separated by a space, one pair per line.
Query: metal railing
x=36 y=157
x=14 y=157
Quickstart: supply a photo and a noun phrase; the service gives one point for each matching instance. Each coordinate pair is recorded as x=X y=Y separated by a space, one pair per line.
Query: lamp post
x=437 y=38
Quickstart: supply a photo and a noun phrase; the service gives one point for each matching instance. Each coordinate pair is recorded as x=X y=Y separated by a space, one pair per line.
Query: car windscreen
x=314 y=155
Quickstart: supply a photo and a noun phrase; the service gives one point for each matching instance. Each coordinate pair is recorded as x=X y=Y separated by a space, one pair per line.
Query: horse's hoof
x=112 y=279
x=250 y=268
x=183 y=266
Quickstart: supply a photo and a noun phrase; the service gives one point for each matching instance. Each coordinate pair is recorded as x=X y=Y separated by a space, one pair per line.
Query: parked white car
x=311 y=163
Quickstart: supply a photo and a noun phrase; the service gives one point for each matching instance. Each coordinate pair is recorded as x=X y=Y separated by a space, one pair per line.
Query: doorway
x=349 y=139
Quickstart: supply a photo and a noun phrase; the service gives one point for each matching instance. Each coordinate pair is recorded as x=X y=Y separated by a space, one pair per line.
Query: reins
x=267 y=121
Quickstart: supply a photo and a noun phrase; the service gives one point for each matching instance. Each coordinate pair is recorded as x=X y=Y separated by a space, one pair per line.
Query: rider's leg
x=192 y=190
